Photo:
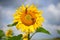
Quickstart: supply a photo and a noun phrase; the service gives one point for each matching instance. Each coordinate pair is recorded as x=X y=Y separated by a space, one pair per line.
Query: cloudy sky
x=51 y=14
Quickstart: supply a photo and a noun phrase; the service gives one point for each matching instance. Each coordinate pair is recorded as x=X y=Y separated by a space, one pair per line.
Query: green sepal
x=14 y=24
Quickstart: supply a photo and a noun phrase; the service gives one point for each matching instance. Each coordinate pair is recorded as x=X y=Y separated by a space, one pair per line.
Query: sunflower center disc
x=28 y=19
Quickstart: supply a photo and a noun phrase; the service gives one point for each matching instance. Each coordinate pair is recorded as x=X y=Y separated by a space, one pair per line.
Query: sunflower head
x=9 y=33
x=28 y=18
x=25 y=37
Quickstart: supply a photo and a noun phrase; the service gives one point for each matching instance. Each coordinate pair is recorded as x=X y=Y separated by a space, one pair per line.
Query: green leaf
x=1 y=33
x=10 y=25
x=19 y=37
x=40 y=29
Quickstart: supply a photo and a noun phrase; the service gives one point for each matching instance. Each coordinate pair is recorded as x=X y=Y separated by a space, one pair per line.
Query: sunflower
x=25 y=37
x=9 y=33
x=29 y=18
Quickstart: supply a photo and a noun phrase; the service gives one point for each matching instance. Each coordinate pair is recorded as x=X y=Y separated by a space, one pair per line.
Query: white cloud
x=53 y=14
x=6 y=14
x=54 y=9
x=38 y=3
x=58 y=5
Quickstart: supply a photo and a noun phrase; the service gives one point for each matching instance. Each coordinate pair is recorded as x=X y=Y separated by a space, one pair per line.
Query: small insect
x=26 y=11
x=33 y=20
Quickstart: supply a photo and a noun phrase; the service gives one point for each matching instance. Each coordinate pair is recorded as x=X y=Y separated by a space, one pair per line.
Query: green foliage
x=58 y=31
x=14 y=24
x=1 y=33
x=40 y=29
x=19 y=37
x=57 y=38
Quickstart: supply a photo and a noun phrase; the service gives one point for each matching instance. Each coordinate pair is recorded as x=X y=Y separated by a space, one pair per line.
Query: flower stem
x=32 y=35
x=28 y=36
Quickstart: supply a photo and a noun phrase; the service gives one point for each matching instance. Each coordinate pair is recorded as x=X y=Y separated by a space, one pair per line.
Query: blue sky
x=51 y=14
